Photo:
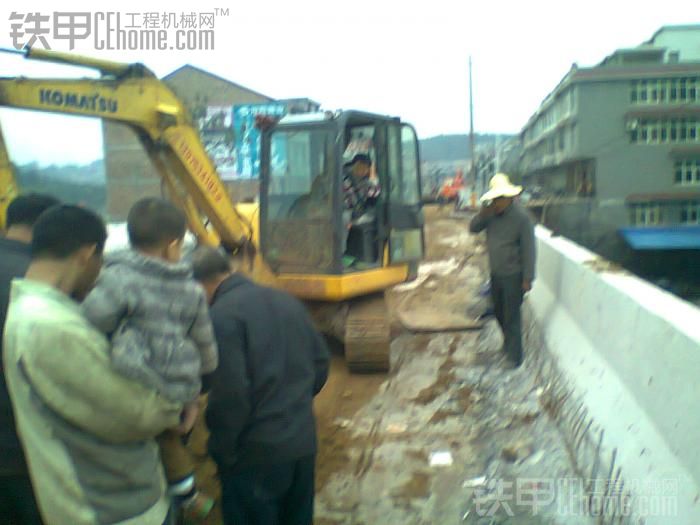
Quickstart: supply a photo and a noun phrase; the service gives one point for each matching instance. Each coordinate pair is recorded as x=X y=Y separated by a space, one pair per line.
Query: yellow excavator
x=297 y=228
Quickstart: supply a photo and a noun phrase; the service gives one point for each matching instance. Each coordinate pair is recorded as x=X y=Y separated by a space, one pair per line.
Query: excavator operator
x=360 y=192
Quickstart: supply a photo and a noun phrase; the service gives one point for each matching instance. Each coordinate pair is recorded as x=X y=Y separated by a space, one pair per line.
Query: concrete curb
x=618 y=359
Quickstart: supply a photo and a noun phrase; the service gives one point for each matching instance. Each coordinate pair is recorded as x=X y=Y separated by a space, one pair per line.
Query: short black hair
x=62 y=230
x=152 y=222
x=208 y=262
x=26 y=209
x=361 y=157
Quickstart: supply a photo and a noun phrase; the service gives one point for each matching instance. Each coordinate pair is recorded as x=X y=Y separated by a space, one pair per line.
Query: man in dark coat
x=272 y=362
x=17 y=503
x=510 y=237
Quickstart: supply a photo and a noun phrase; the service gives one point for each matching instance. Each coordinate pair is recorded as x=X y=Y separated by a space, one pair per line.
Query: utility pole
x=497 y=155
x=472 y=175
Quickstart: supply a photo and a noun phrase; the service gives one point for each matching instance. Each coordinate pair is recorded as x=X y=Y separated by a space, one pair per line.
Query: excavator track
x=367 y=335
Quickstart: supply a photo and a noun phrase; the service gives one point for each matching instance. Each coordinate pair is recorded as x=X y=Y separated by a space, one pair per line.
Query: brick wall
x=130 y=175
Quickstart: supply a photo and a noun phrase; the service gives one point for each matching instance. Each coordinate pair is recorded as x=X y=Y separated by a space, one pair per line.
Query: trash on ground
x=441 y=459
x=396 y=428
x=474 y=482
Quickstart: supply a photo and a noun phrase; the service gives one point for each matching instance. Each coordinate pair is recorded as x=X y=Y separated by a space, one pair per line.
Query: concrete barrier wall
x=630 y=353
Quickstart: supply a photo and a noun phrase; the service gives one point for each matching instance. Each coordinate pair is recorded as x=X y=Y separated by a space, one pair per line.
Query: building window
x=647 y=214
x=665 y=90
x=687 y=172
x=572 y=136
x=660 y=131
x=690 y=213
x=572 y=101
x=644 y=133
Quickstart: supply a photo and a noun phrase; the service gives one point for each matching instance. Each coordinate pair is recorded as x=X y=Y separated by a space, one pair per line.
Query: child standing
x=157 y=317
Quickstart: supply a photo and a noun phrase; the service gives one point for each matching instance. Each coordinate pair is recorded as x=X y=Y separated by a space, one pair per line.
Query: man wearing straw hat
x=510 y=237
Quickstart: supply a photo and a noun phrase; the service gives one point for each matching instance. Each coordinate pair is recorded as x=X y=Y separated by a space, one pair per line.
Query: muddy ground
x=451 y=432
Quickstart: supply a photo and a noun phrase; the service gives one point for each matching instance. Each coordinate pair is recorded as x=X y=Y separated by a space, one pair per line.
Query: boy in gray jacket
x=157 y=317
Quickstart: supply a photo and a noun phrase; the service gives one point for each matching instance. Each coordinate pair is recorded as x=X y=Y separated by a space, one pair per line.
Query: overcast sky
x=397 y=57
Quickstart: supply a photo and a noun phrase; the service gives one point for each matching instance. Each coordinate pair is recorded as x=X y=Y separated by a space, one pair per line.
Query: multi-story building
x=617 y=146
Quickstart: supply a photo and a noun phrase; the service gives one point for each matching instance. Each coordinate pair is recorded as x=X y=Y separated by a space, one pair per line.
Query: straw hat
x=500 y=186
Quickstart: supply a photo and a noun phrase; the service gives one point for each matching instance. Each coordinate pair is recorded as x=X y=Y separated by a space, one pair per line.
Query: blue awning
x=663 y=237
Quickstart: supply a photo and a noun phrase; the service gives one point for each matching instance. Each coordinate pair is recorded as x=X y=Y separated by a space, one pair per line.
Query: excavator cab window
x=297 y=204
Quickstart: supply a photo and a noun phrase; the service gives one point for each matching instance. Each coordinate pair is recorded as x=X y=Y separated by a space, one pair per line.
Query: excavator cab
x=304 y=226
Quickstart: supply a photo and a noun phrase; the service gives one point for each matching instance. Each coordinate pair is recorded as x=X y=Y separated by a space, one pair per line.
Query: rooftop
x=671 y=28
x=190 y=68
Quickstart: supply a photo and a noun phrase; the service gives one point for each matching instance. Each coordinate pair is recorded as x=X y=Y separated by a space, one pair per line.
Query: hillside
x=70 y=183
x=453 y=147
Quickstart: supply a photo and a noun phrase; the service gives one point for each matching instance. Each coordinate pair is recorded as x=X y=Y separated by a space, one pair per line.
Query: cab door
x=405 y=211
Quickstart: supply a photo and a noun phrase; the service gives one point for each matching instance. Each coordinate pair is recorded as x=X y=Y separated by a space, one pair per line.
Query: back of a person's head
x=209 y=263
x=154 y=222
x=63 y=230
x=26 y=209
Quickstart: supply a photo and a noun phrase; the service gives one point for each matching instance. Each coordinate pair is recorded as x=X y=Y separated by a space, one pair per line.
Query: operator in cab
x=360 y=193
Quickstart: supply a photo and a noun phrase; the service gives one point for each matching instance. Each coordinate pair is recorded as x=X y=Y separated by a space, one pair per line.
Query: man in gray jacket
x=510 y=238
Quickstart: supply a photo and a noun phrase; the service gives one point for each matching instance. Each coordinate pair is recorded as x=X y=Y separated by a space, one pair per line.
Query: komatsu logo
x=66 y=99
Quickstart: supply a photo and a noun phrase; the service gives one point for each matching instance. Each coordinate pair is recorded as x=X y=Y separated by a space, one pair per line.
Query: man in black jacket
x=17 y=503
x=272 y=362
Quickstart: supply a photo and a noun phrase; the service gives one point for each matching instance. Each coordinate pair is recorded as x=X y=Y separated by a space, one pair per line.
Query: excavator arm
x=8 y=188
x=131 y=94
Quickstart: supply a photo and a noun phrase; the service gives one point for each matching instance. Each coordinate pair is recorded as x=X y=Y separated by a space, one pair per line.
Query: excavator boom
x=132 y=95
x=8 y=188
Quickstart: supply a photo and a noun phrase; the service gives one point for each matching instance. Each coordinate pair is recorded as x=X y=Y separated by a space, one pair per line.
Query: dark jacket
x=14 y=260
x=510 y=238
x=272 y=362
